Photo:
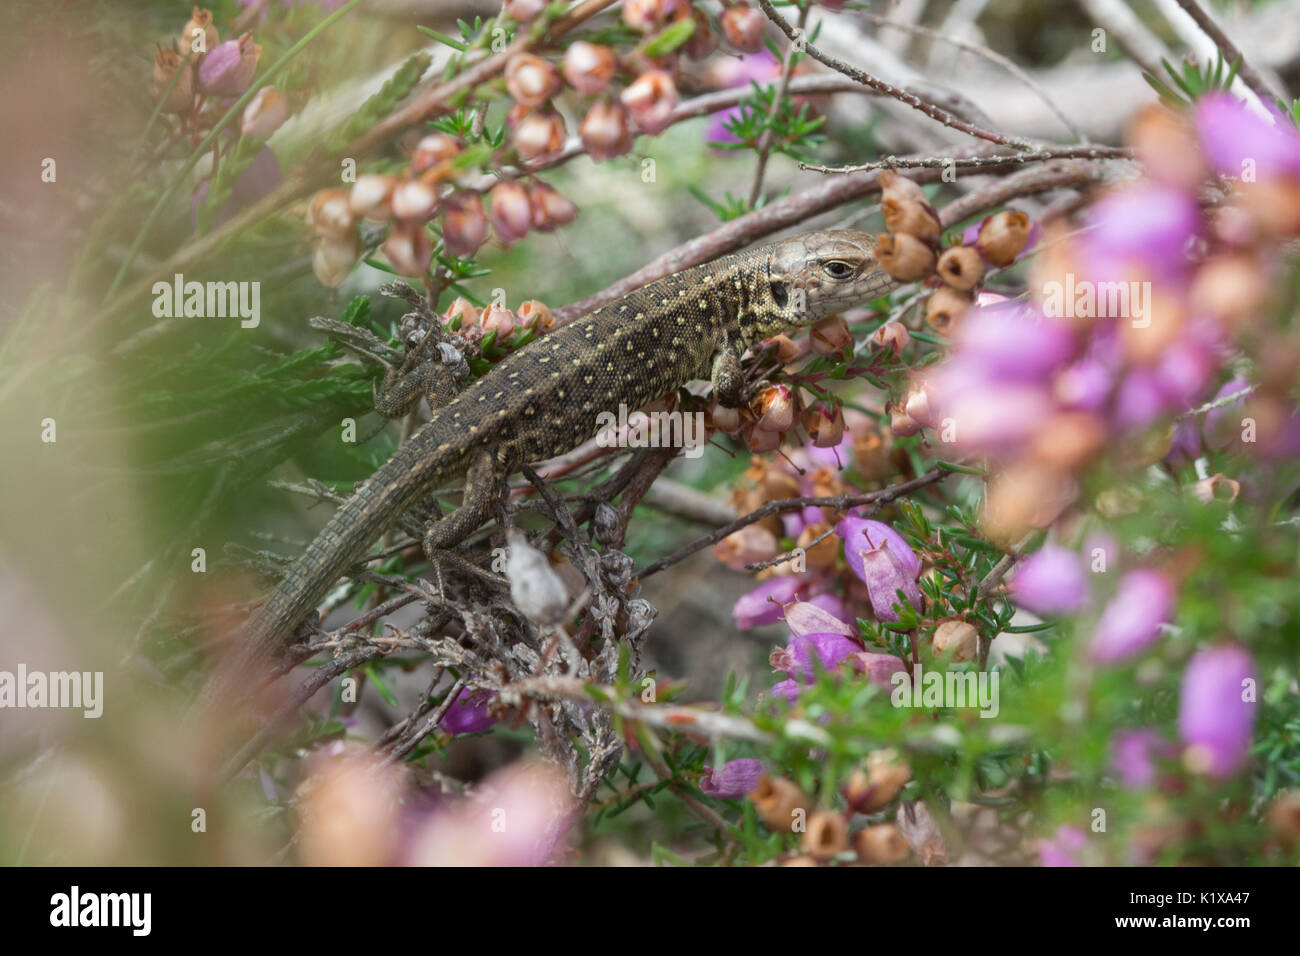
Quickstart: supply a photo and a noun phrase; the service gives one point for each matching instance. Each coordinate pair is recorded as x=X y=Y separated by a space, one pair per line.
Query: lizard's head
x=818 y=274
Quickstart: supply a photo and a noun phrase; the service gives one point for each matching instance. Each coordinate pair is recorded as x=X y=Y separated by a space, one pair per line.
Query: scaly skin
x=545 y=398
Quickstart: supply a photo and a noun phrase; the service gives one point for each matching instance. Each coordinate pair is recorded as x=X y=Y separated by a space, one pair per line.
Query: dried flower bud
x=902 y=424
x=899 y=188
x=589 y=67
x=882 y=843
x=228 y=69
x=1022 y=497
x=905 y=257
x=199 y=24
x=913 y=218
x=606 y=131
x=264 y=114
x=534 y=314
x=1216 y=488
x=539 y=134
x=512 y=213
x=1166 y=147
x=1284 y=817
x=961 y=267
x=372 y=196
x=1231 y=288
x=1003 y=237
x=958 y=637
x=464 y=223
x=742 y=25
x=887 y=774
x=535 y=588
x=825 y=426
x=703 y=40
x=827 y=834
x=498 y=319
x=414 y=200
x=750 y=545
x=165 y=64
x=892 y=336
x=330 y=214
x=946 y=307
x=774 y=408
x=531 y=80
x=650 y=100
x=1068 y=440
x=787 y=349
x=759 y=440
x=463 y=309
x=777 y=799
x=432 y=151
x=550 y=210
x=524 y=11
x=408 y=249
x=645 y=15
x=825 y=553
x=830 y=336
x=333 y=259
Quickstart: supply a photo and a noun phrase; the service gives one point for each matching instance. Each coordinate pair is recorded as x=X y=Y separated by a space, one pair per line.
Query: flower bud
x=464 y=224
x=498 y=319
x=228 y=69
x=1217 y=710
x=1050 y=582
x=606 y=131
x=524 y=11
x=645 y=15
x=463 y=309
x=733 y=779
x=776 y=799
x=961 y=267
x=165 y=64
x=703 y=40
x=774 y=408
x=372 y=196
x=333 y=259
x=759 y=440
x=550 y=210
x=787 y=349
x=742 y=25
x=945 y=308
x=918 y=404
x=264 y=114
x=650 y=100
x=539 y=134
x=899 y=188
x=884 y=575
x=414 y=200
x=1068 y=440
x=1022 y=497
x=959 y=638
x=825 y=426
x=330 y=213
x=901 y=424
x=534 y=314
x=432 y=151
x=750 y=545
x=200 y=22
x=511 y=213
x=892 y=336
x=588 y=67
x=882 y=843
x=1002 y=237
x=830 y=336
x=905 y=257
x=535 y=588
x=408 y=249
x=1134 y=618
x=723 y=419
x=531 y=80
x=913 y=218
x=1231 y=288
x=828 y=832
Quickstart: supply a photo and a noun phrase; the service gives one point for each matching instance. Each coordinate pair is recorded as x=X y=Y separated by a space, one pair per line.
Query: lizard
x=545 y=398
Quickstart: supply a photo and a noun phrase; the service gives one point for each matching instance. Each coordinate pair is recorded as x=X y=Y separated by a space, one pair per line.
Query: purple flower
x=1063 y=848
x=468 y=714
x=1133 y=756
x=228 y=69
x=813 y=617
x=863 y=534
x=1216 y=710
x=788 y=689
x=885 y=575
x=1085 y=385
x=1148 y=224
x=806 y=653
x=733 y=779
x=763 y=605
x=1011 y=340
x=1231 y=135
x=1131 y=622
x=1184 y=445
x=1050 y=581
x=879 y=668
x=1140 y=400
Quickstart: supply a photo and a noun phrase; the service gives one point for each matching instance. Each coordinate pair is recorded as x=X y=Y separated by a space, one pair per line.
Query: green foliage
x=1193 y=82
x=395 y=89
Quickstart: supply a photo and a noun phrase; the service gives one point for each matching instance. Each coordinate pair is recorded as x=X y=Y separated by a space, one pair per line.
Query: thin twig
x=765 y=140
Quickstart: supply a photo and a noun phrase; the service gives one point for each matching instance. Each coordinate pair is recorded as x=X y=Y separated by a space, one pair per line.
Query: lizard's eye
x=837 y=268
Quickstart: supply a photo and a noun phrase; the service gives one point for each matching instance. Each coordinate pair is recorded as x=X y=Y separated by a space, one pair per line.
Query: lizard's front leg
x=728 y=378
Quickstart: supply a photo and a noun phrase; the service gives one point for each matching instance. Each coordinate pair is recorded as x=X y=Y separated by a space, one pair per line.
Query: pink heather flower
x=739 y=71
x=1231 y=134
x=1146 y=224
x=1184 y=370
x=1131 y=622
x=879 y=668
x=1050 y=582
x=1216 y=715
x=885 y=575
x=468 y=714
x=792 y=523
x=1139 y=399
x=806 y=653
x=1012 y=340
x=834 y=456
x=989 y=416
x=863 y=534
x=228 y=69
x=763 y=605
x=813 y=617
x=787 y=689
x=1133 y=756
x=733 y=779
x=1063 y=848
x=1185 y=445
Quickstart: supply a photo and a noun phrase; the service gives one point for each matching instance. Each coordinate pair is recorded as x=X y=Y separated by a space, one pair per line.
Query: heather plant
x=1010 y=551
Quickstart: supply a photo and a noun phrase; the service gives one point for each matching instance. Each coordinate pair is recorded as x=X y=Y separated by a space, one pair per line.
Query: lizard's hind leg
x=484 y=480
